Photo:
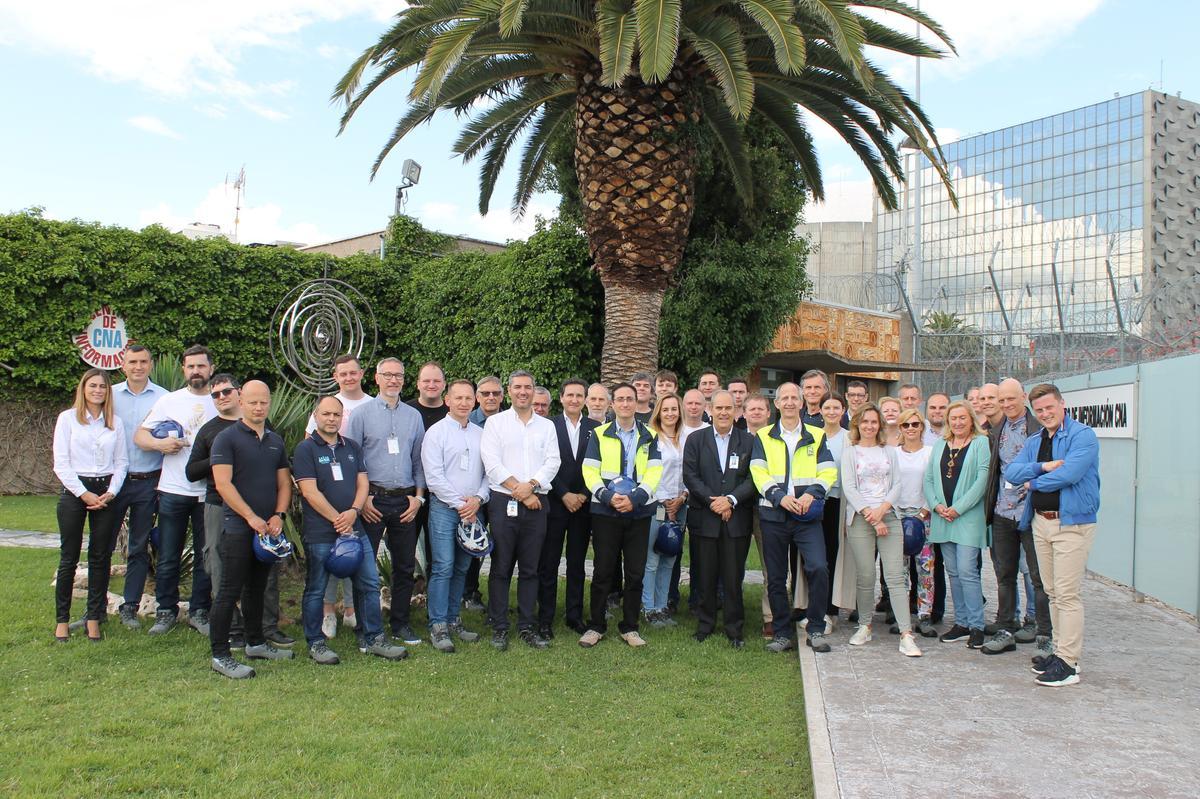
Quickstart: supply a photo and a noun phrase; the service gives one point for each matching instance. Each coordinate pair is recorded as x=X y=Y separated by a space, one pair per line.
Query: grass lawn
x=29 y=512
x=135 y=716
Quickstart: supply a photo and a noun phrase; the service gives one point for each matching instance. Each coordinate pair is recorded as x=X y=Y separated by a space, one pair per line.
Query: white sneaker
x=349 y=619
x=830 y=625
x=329 y=625
x=908 y=646
x=861 y=635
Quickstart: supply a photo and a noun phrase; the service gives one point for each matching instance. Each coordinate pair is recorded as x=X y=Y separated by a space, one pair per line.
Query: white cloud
x=498 y=226
x=258 y=223
x=153 y=125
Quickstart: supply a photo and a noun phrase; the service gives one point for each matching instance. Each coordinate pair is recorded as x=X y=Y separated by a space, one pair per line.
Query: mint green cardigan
x=970 y=528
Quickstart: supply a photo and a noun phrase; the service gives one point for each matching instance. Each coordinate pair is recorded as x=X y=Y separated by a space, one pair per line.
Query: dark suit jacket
x=704 y=479
x=1032 y=427
x=569 y=479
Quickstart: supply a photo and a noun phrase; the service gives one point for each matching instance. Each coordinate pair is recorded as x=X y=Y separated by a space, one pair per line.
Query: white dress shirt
x=522 y=450
x=88 y=450
x=573 y=431
x=671 y=484
x=453 y=464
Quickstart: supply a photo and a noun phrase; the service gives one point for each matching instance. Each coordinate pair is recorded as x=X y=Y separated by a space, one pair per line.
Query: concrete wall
x=838 y=250
x=1149 y=526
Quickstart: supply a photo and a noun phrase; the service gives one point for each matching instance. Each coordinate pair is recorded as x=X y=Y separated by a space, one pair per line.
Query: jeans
x=364 y=587
x=402 y=548
x=243 y=576
x=517 y=544
x=962 y=568
x=1008 y=544
x=1027 y=581
x=615 y=541
x=138 y=499
x=102 y=526
x=174 y=513
x=809 y=538
x=448 y=568
x=656 y=583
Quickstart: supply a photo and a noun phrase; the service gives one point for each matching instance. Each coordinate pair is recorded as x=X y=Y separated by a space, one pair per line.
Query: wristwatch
x=281 y=514
x=420 y=498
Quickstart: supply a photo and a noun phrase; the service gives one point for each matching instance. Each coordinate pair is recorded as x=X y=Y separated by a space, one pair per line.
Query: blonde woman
x=913 y=457
x=667 y=421
x=955 y=482
x=90 y=459
x=870 y=477
x=890 y=408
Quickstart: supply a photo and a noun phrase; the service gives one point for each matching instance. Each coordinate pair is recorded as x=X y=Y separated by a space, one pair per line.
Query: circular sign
x=102 y=343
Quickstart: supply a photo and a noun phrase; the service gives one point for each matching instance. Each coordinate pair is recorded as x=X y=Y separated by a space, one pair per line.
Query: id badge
x=464 y=462
x=661 y=513
x=512 y=509
x=393 y=446
x=336 y=468
x=734 y=460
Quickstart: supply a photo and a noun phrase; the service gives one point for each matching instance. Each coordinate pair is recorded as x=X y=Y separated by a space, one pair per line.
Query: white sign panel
x=1110 y=411
x=103 y=343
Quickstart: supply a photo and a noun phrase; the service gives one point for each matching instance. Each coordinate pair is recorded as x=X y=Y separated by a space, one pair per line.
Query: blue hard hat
x=623 y=486
x=669 y=539
x=815 y=511
x=345 y=557
x=473 y=538
x=166 y=428
x=914 y=535
x=272 y=548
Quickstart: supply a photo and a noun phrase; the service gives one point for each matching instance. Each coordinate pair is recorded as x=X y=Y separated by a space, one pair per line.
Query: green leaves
x=617 y=27
x=658 y=37
x=719 y=42
x=775 y=18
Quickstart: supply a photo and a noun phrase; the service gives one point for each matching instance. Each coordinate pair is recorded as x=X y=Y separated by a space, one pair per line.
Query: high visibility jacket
x=603 y=463
x=811 y=468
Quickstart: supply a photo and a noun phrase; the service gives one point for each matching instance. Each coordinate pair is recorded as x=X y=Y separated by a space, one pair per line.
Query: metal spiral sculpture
x=315 y=323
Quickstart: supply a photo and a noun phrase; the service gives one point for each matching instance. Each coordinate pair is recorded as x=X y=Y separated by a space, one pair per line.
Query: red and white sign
x=103 y=343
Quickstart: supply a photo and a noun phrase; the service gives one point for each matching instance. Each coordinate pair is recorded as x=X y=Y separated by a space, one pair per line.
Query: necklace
x=954 y=453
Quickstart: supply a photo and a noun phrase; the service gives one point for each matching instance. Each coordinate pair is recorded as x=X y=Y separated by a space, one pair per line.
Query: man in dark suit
x=569 y=516
x=721 y=494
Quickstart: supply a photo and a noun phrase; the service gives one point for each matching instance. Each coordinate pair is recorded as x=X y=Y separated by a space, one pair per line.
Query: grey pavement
x=958 y=723
x=27 y=538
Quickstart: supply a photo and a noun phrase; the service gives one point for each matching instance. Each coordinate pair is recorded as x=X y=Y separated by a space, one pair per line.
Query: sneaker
x=975 y=641
x=955 y=633
x=590 y=638
x=1002 y=641
x=198 y=621
x=439 y=636
x=265 y=651
x=926 y=629
x=1027 y=634
x=128 y=616
x=532 y=639
x=237 y=642
x=323 y=654
x=830 y=625
x=781 y=643
x=280 y=638
x=861 y=635
x=500 y=640
x=908 y=646
x=329 y=626
x=349 y=619
x=1041 y=663
x=633 y=638
x=383 y=648
x=1058 y=674
x=164 y=622
x=546 y=632
x=231 y=668
x=995 y=627
x=473 y=603
x=462 y=633
x=817 y=642
x=361 y=639
x=668 y=619
x=657 y=619
x=407 y=634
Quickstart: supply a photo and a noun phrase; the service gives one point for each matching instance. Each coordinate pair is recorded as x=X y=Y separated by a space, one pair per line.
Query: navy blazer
x=569 y=479
x=704 y=479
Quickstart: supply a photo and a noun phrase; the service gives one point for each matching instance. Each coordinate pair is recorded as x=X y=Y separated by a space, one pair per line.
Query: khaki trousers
x=1062 y=553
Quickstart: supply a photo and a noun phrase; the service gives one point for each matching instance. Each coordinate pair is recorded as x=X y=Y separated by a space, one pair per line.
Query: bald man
x=250 y=470
x=989 y=412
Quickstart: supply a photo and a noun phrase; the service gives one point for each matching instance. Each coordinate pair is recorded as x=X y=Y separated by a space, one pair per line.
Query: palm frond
x=915 y=14
x=617 y=26
x=775 y=18
x=840 y=25
x=781 y=112
x=718 y=40
x=511 y=16
x=556 y=114
x=728 y=134
x=658 y=37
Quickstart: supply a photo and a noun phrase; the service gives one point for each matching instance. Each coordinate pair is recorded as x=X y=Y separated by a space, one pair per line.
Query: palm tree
x=634 y=78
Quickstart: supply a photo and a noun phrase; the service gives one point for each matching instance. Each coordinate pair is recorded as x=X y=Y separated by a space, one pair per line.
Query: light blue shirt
x=373 y=425
x=452 y=457
x=131 y=409
x=722 y=448
x=629 y=444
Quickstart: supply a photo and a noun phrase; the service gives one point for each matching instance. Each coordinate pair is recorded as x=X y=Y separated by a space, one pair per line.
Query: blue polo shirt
x=255 y=464
x=313 y=460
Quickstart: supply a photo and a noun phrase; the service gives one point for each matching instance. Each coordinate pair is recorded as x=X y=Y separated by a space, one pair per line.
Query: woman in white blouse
x=913 y=457
x=870 y=478
x=90 y=460
x=667 y=423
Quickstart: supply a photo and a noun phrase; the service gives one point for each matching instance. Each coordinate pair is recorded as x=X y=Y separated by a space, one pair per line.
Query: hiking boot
x=1027 y=634
x=164 y=622
x=265 y=651
x=198 y=621
x=500 y=640
x=321 y=653
x=861 y=636
x=231 y=668
x=633 y=638
x=590 y=638
x=439 y=636
x=908 y=646
x=1002 y=641
x=128 y=616
x=995 y=627
x=955 y=633
x=926 y=629
x=407 y=634
x=657 y=619
x=532 y=639
x=383 y=648
x=237 y=641
x=817 y=642
x=781 y=643
x=975 y=641
x=1044 y=648
x=462 y=633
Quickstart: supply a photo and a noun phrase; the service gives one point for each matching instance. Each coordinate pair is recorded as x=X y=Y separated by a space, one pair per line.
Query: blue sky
x=131 y=112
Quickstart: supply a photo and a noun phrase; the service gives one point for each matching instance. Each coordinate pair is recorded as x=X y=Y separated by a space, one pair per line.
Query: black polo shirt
x=313 y=460
x=255 y=464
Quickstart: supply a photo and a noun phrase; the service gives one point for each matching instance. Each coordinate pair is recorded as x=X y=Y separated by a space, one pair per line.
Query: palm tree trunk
x=635 y=160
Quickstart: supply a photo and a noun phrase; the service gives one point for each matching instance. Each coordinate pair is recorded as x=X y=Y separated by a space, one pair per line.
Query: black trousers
x=829 y=526
x=102 y=526
x=422 y=524
x=244 y=577
x=626 y=539
x=573 y=529
x=517 y=543
x=1007 y=543
x=402 y=549
x=939 y=586
x=723 y=556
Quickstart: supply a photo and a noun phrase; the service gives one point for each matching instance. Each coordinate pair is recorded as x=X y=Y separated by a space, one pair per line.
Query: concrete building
x=1060 y=222
x=840 y=253
x=373 y=243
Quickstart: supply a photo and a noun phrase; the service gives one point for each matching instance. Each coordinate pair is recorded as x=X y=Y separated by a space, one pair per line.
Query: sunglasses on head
x=222 y=392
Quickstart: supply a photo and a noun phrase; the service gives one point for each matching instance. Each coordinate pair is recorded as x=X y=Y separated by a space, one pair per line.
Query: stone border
x=820 y=750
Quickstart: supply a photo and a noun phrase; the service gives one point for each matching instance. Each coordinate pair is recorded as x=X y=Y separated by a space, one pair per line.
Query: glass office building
x=1056 y=220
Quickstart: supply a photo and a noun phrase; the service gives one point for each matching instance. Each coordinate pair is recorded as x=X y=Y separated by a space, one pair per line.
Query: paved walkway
x=27 y=538
x=958 y=723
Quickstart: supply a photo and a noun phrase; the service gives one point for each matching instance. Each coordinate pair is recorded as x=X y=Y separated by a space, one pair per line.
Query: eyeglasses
x=390 y=375
x=911 y=424
x=222 y=392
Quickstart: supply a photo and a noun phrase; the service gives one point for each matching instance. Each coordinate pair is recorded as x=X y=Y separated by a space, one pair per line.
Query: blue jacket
x=1077 y=480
